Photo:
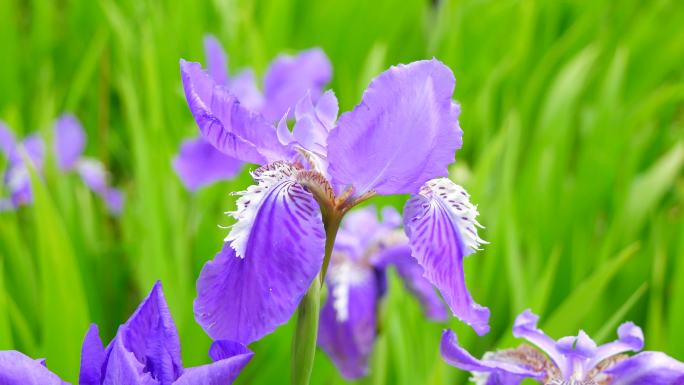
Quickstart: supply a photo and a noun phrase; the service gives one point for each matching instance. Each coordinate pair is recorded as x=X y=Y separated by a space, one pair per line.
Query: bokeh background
x=573 y=149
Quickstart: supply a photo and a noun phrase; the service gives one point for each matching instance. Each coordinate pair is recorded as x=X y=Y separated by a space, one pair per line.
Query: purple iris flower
x=145 y=351
x=69 y=143
x=399 y=140
x=287 y=80
x=364 y=249
x=570 y=360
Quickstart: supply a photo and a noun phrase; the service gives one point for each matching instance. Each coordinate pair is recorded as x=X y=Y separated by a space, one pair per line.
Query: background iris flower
x=287 y=80
x=145 y=351
x=69 y=144
x=364 y=249
x=570 y=360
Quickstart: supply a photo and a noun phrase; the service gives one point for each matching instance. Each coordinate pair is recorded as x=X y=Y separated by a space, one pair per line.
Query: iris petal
x=441 y=226
x=272 y=255
x=19 y=369
x=199 y=164
x=647 y=368
x=404 y=133
x=69 y=141
x=230 y=358
x=92 y=358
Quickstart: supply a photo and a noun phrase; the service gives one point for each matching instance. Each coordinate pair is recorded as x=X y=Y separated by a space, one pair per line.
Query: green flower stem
x=308 y=312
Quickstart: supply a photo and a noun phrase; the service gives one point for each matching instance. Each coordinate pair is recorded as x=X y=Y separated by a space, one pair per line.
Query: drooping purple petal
x=271 y=256
x=217 y=61
x=525 y=326
x=647 y=368
x=69 y=141
x=150 y=335
x=441 y=226
x=349 y=318
x=198 y=164
x=123 y=367
x=413 y=276
x=92 y=358
x=114 y=199
x=289 y=78
x=404 y=133
x=225 y=123
x=18 y=369
x=94 y=175
x=8 y=145
x=230 y=358
x=500 y=372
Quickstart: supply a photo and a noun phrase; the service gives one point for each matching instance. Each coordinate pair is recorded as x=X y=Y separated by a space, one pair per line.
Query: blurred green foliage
x=573 y=149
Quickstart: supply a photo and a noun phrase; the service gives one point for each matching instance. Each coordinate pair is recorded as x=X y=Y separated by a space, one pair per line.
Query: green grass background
x=573 y=149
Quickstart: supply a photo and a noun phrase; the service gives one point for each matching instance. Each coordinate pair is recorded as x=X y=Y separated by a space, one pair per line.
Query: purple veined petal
x=69 y=141
x=225 y=123
x=413 y=276
x=122 y=366
x=8 y=144
x=18 y=369
x=348 y=325
x=217 y=61
x=498 y=372
x=404 y=132
x=229 y=360
x=647 y=368
x=525 y=326
x=441 y=225
x=244 y=87
x=92 y=358
x=150 y=335
x=199 y=164
x=630 y=339
x=289 y=78
x=271 y=256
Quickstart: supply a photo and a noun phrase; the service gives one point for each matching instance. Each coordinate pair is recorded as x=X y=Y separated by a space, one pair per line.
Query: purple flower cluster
x=69 y=143
x=145 y=351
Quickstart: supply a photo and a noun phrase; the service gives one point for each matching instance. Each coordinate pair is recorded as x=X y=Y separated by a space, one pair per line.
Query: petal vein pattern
x=270 y=258
x=441 y=226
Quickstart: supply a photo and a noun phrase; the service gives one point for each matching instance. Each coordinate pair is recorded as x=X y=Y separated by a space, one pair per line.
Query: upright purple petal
x=230 y=358
x=442 y=229
x=92 y=358
x=69 y=141
x=123 y=367
x=35 y=149
x=150 y=334
x=19 y=369
x=404 y=133
x=199 y=164
x=8 y=145
x=499 y=372
x=217 y=61
x=630 y=339
x=244 y=87
x=413 y=276
x=289 y=78
x=271 y=256
x=647 y=368
x=313 y=122
x=525 y=326
x=225 y=123
x=348 y=325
